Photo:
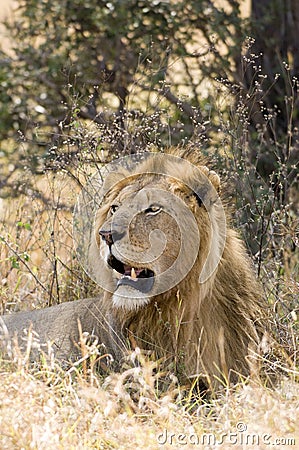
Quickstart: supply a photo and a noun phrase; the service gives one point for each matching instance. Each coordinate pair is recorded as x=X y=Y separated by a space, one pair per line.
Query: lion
x=178 y=282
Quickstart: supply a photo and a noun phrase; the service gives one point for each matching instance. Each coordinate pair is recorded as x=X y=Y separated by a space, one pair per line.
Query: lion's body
x=208 y=328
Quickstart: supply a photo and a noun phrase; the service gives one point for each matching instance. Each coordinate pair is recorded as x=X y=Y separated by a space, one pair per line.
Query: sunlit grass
x=48 y=408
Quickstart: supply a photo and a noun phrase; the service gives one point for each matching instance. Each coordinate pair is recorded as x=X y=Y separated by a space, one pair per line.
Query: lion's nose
x=106 y=236
x=111 y=237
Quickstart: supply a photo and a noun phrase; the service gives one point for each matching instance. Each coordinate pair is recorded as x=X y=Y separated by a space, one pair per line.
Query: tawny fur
x=210 y=330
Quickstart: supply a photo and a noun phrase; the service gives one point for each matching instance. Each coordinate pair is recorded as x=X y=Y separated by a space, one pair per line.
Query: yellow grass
x=75 y=414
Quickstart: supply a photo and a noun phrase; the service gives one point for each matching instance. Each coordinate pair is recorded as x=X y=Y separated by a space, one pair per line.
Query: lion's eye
x=113 y=208
x=152 y=210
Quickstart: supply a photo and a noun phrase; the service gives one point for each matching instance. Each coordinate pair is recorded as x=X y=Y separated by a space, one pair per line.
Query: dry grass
x=52 y=410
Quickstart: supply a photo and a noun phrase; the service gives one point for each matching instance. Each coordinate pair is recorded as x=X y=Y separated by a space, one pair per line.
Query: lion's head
x=157 y=227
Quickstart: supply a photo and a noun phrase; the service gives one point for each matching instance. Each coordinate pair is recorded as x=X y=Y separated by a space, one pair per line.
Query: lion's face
x=140 y=240
x=150 y=232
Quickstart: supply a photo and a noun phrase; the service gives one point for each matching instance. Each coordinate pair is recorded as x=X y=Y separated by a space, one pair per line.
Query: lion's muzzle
x=139 y=278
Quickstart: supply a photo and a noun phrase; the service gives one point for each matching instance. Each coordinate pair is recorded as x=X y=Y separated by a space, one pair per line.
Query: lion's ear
x=215 y=180
x=212 y=176
x=111 y=179
x=204 y=193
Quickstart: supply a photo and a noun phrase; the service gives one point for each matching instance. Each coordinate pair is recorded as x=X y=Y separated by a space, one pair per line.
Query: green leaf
x=14 y=262
x=27 y=226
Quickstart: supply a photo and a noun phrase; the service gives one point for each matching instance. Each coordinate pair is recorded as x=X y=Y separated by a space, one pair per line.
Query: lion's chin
x=129 y=298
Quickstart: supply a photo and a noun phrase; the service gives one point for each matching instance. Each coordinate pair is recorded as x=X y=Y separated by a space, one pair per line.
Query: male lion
x=177 y=282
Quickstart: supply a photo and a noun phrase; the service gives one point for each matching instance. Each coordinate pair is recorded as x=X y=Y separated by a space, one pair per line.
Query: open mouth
x=141 y=279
